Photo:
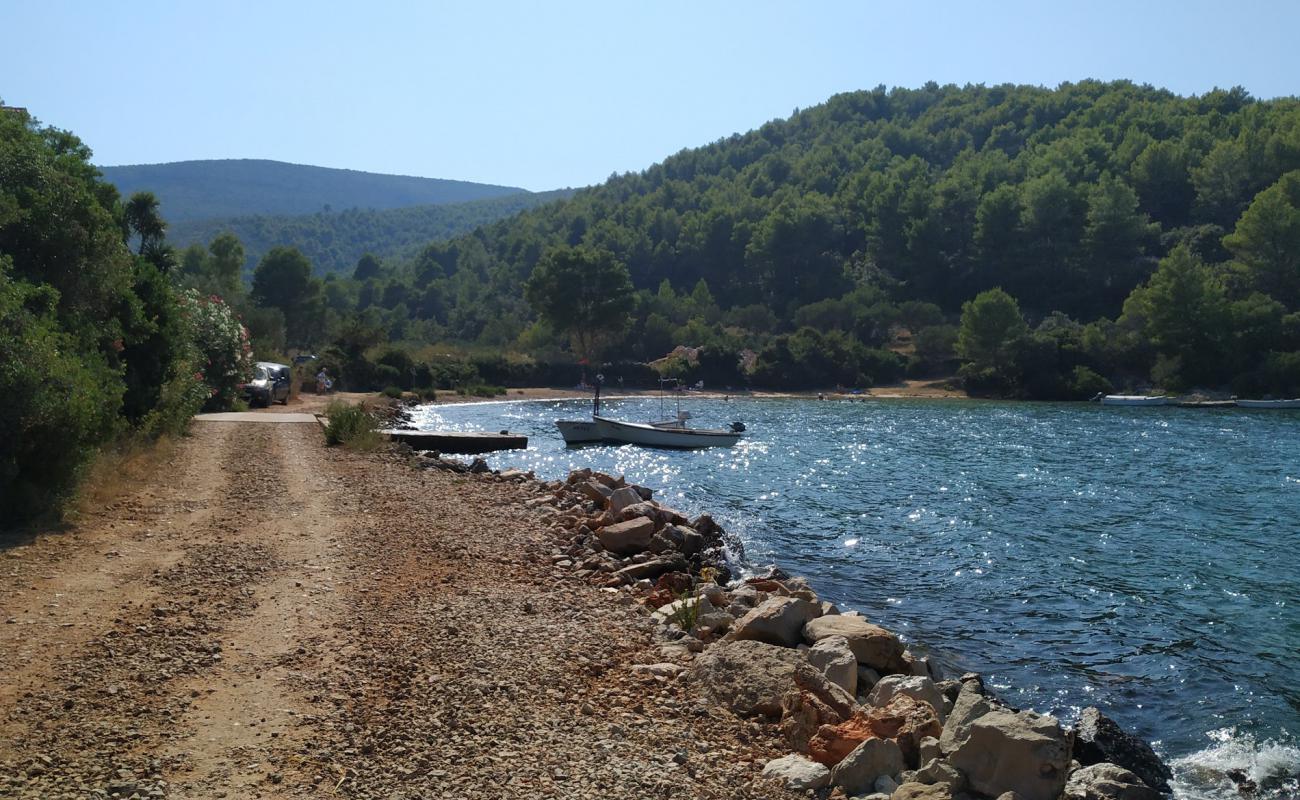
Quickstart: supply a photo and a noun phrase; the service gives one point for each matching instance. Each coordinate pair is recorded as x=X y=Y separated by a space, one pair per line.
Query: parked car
x=270 y=384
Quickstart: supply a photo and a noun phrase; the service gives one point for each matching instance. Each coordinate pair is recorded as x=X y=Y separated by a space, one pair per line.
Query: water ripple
x=1143 y=560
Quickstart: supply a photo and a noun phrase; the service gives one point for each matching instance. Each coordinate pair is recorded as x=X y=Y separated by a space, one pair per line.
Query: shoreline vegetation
x=861 y=714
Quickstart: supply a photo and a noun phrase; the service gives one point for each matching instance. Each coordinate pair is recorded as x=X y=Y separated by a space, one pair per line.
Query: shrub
x=351 y=426
x=392 y=391
x=225 y=356
x=1086 y=384
x=59 y=403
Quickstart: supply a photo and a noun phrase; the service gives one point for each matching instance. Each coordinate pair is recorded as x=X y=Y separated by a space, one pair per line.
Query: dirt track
x=271 y=618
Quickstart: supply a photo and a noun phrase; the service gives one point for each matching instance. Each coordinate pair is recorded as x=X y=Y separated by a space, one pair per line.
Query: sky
x=551 y=94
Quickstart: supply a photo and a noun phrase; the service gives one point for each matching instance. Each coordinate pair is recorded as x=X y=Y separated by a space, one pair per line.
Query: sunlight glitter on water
x=1194 y=530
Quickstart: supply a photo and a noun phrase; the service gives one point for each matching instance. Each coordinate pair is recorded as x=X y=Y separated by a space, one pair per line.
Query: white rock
x=836 y=661
x=622 y=498
x=778 y=620
x=798 y=772
x=859 y=770
x=872 y=645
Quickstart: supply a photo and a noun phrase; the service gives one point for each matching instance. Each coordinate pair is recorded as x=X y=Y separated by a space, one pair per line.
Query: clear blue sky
x=552 y=94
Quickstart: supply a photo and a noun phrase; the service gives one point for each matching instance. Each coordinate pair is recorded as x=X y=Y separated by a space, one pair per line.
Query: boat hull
x=1268 y=403
x=578 y=431
x=663 y=436
x=1133 y=400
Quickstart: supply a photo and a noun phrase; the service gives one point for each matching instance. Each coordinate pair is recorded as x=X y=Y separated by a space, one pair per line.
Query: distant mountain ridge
x=193 y=190
x=335 y=241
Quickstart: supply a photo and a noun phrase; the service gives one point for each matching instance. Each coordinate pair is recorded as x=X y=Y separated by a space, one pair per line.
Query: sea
x=1142 y=560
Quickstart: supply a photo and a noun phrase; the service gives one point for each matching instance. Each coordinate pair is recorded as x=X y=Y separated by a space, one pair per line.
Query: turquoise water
x=1143 y=560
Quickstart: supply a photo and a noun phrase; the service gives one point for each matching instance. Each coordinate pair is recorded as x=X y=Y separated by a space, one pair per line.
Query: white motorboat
x=672 y=433
x=1269 y=403
x=578 y=431
x=1134 y=400
x=664 y=433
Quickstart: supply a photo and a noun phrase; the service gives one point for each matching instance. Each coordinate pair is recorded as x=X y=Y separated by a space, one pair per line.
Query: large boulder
x=622 y=498
x=803 y=714
x=971 y=704
x=597 y=492
x=872 y=645
x=915 y=687
x=836 y=661
x=627 y=538
x=857 y=772
x=1024 y=752
x=777 y=620
x=798 y=773
x=1107 y=782
x=1099 y=740
x=748 y=677
x=641 y=509
x=908 y=721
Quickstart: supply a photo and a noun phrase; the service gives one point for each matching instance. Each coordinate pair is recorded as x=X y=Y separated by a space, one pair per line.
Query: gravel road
x=272 y=618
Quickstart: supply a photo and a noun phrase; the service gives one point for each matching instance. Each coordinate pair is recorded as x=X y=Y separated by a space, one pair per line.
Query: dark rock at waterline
x=1100 y=740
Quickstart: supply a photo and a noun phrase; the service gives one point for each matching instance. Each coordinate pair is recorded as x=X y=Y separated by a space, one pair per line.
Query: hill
x=190 y=190
x=334 y=241
x=1133 y=234
x=1066 y=198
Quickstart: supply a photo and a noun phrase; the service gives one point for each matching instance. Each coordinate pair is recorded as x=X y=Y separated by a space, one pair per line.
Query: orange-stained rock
x=907 y=721
x=803 y=714
x=904 y=720
x=833 y=742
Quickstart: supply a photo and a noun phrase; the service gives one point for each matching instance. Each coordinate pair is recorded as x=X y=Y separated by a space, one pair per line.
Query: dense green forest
x=191 y=190
x=334 y=241
x=1048 y=242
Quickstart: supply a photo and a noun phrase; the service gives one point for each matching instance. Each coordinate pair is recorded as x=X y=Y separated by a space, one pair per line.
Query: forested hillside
x=1047 y=243
x=335 y=240
x=191 y=190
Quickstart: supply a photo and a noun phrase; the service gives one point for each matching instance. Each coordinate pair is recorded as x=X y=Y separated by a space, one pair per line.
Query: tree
x=282 y=280
x=227 y=263
x=1113 y=240
x=143 y=219
x=1183 y=312
x=367 y=267
x=583 y=291
x=989 y=337
x=1267 y=240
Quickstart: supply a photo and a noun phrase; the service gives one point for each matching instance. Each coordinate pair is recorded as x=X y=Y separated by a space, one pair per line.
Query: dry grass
x=120 y=470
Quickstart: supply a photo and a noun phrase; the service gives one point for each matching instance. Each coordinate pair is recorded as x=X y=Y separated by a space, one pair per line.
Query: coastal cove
x=1140 y=560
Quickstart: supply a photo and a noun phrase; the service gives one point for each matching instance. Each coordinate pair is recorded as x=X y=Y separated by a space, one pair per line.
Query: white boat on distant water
x=672 y=433
x=578 y=431
x=1269 y=403
x=664 y=433
x=1134 y=400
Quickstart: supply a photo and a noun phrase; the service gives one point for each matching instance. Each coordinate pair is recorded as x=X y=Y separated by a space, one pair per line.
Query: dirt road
x=272 y=618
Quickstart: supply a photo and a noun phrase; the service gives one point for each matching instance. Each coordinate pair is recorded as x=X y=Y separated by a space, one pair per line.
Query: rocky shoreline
x=863 y=716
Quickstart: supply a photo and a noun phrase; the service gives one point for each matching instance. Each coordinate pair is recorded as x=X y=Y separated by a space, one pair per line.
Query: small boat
x=1269 y=403
x=664 y=433
x=1134 y=400
x=578 y=431
x=669 y=433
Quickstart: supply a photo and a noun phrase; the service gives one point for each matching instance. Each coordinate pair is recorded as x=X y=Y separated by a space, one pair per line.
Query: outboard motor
x=738 y=427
